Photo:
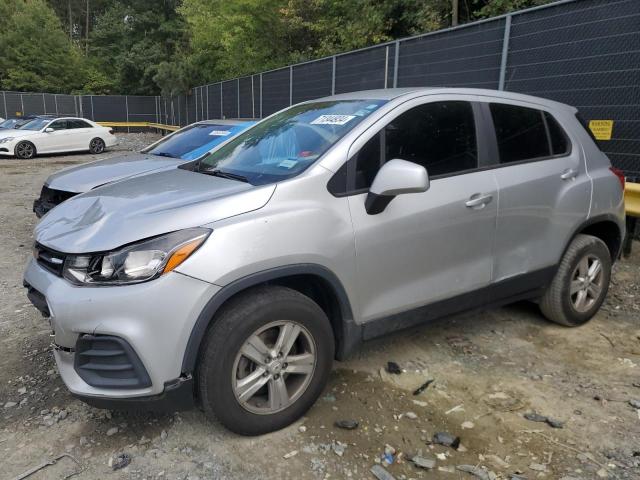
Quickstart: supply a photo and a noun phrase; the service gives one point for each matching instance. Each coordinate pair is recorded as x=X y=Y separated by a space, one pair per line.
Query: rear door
x=430 y=246
x=81 y=134
x=544 y=189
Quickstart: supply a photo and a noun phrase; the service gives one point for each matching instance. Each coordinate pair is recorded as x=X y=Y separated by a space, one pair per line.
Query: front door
x=430 y=246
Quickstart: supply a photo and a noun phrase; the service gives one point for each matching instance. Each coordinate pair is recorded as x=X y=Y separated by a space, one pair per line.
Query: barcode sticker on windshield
x=219 y=133
x=333 y=119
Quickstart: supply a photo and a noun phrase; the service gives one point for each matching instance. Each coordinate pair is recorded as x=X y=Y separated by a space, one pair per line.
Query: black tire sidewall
x=25 y=158
x=596 y=248
x=223 y=344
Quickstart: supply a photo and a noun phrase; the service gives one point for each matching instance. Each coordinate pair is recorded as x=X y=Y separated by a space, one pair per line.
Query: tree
x=35 y=54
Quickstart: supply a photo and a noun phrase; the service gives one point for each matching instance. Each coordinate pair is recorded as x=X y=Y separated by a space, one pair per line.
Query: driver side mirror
x=49 y=130
x=396 y=177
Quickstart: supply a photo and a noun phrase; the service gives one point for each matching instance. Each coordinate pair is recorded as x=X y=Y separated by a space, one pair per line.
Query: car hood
x=16 y=133
x=124 y=212
x=85 y=177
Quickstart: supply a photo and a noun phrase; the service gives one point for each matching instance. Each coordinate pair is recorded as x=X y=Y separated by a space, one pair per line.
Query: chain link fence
x=582 y=52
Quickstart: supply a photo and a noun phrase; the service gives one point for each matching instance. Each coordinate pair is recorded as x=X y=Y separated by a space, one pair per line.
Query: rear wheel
x=97 y=146
x=265 y=360
x=25 y=150
x=580 y=284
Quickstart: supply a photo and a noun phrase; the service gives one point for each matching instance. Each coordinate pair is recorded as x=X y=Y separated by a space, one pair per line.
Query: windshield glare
x=286 y=144
x=191 y=138
x=9 y=123
x=36 y=124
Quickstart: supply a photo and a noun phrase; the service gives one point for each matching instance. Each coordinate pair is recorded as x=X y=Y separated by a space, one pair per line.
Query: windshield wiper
x=164 y=154
x=223 y=174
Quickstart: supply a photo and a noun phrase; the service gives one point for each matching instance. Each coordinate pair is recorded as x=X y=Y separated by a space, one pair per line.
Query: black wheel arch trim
x=605 y=217
x=348 y=333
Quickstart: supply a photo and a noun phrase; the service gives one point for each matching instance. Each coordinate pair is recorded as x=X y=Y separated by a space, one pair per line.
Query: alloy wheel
x=24 y=150
x=274 y=367
x=586 y=283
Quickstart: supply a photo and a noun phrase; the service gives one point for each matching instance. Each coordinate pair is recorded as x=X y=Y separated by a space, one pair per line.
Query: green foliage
x=148 y=47
x=35 y=54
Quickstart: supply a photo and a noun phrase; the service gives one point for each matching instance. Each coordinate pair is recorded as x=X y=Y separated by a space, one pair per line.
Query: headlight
x=6 y=139
x=135 y=263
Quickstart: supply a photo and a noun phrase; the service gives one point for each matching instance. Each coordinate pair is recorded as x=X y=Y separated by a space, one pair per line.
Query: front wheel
x=580 y=284
x=265 y=360
x=25 y=150
x=97 y=146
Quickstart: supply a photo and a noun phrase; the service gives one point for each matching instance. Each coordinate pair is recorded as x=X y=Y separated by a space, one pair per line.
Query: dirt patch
x=488 y=370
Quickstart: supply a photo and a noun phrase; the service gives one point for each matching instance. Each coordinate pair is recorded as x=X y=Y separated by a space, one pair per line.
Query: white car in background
x=55 y=135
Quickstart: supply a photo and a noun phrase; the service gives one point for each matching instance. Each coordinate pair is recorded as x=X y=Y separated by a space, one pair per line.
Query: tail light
x=620 y=174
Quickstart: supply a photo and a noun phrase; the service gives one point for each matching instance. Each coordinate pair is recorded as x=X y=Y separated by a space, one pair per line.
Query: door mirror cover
x=396 y=177
x=49 y=130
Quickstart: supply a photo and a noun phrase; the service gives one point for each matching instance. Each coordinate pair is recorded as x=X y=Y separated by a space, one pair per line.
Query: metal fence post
x=55 y=100
x=44 y=105
x=238 y=90
x=333 y=75
x=291 y=85
x=221 y=107
x=261 y=97
x=505 y=51
x=386 y=66
x=253 y=100
x=208 y=102
x=22 y=104
x=126 y=104
x=93 y=115
x=4 y=102
x=396 y=59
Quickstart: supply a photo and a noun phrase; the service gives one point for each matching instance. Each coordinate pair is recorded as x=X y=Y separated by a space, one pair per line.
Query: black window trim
x=483 y=147
x=493 y=139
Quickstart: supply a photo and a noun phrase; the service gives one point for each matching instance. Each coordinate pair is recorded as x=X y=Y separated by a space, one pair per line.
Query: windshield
x=195 y=140
x=9 y=123
x=286 y=144
x=35 y=124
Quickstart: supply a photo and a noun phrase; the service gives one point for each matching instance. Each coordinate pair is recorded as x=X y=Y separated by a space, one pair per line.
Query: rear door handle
x=478 y=200
x=569 y=174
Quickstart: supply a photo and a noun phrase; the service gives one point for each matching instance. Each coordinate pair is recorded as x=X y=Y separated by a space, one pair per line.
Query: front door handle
x=478 y=201
x=569 y=174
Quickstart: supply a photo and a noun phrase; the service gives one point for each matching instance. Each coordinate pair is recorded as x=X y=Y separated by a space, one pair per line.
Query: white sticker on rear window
x=333 y=119
x=288 y=163
x=219 y=133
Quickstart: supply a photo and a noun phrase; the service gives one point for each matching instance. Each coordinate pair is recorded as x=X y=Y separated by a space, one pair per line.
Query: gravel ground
x=489 y=369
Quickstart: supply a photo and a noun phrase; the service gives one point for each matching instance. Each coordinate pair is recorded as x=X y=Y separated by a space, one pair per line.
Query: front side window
x=526 y=133
x=59 y=125
x=286 y=144
x=440 y=136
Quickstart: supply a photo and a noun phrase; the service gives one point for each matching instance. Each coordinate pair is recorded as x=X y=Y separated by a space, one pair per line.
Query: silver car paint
x=85 y=177
x=145 y=206
x=423 y=247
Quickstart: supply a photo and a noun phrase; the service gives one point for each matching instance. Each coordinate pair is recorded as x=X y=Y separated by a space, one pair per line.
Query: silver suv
x=235 y=280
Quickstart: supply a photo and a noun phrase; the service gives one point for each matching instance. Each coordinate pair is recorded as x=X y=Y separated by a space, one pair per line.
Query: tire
x=25 y=150
x=561 y=301
x=265 y=312
x=97 y=146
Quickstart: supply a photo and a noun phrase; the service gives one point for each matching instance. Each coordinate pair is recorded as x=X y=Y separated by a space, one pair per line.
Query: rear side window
x=440 y=136
x=527 y=134
x=558 y=139
x=78 y=124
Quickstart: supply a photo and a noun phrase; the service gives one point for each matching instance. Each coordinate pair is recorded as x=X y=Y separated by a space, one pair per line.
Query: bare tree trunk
x=86 y=42
x=454 y=12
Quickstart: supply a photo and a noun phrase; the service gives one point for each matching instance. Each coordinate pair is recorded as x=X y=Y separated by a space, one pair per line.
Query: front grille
x=49 y=259
x=109 y=362
x=55 y=197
